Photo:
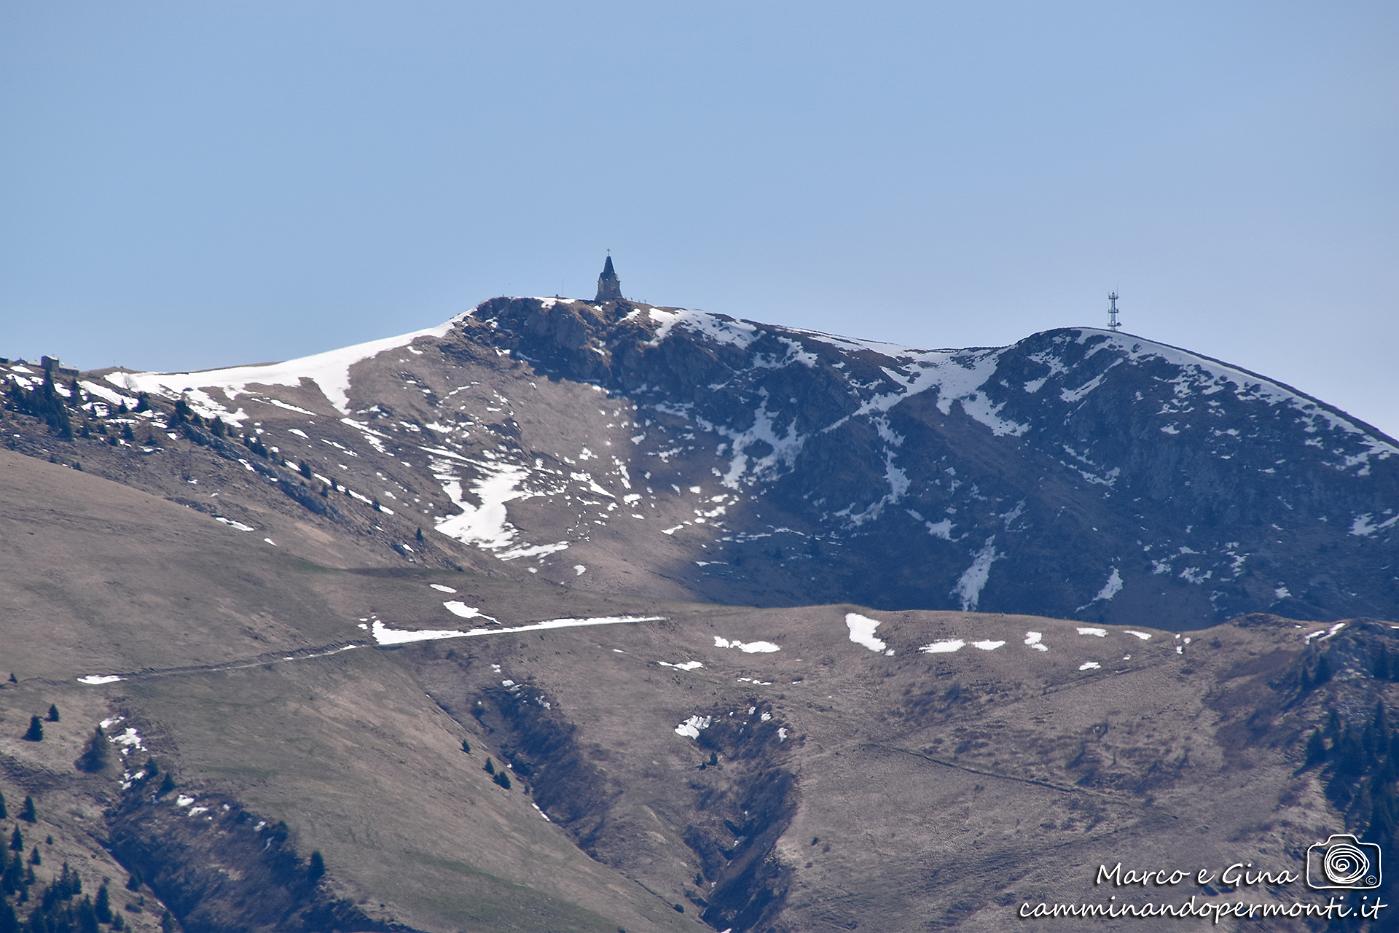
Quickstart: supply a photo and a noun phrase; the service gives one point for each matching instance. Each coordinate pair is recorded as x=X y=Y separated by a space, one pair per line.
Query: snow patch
x=751 y=647
x=943 y=647
x=862 y=632
x=973 y=579
x=387 y=636
x=691 y=727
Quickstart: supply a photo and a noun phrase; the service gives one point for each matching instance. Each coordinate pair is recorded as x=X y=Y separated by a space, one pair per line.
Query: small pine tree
x=420 y=537
x=502 y=779
x=36 y=730
x=1316 y=748
x=489 y=766
x=102 y=906
x=466 y=746
x=34 y=857
x=305 y=469
x=95 y=756
x=53 y=713
x=167 y=785
x=143 y=402
x=16 y=841
x=29 y=813
x=4 y=813
x=13 y=678
x=1379 y=728
x=316 y=870
x=167 y=923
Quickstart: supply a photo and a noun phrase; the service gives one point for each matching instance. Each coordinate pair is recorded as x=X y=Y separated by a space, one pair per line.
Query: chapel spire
x=609 y=287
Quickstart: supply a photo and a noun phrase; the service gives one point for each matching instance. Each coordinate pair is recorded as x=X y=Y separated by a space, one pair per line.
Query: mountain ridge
x=1074 y=473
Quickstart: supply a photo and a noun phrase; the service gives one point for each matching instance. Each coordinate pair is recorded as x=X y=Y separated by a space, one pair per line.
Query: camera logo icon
x=1344 y=863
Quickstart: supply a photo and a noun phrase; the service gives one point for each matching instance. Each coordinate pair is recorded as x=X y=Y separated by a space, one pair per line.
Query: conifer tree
x=29 y=813
x=316 y=870
x=4 y=815
x=95 y=756
x=1316 y=748
x=16 y=841
x=102 y=906
x=36 y=730
x=87 y=917
x=53 y=713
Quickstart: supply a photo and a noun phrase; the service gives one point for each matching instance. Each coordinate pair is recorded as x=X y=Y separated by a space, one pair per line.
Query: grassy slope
x=921 y=775
x=346 y=749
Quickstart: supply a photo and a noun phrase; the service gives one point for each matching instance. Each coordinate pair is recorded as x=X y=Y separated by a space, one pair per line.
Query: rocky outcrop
x=1077 y=473
x=220 y=869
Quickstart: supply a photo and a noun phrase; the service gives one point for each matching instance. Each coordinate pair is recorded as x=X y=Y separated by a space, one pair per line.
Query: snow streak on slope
x=486 y=525
x=1203 y=376
x=390 y=636
x=329 y=370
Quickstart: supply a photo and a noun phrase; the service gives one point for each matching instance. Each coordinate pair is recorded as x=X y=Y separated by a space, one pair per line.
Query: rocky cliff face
x=1077 y=473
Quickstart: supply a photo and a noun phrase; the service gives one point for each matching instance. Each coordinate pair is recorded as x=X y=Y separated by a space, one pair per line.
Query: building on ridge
x=609 y=287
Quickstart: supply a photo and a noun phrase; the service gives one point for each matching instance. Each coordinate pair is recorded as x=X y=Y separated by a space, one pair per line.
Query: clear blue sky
x=190 y=185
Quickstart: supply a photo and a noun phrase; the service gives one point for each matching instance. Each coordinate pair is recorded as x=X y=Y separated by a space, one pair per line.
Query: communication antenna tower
x=1113 y=324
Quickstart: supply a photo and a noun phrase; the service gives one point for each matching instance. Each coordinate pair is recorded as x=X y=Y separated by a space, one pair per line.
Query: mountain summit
x=1077 y=473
